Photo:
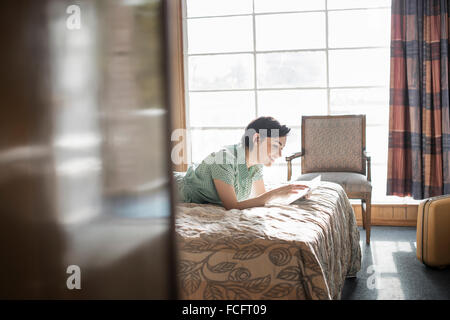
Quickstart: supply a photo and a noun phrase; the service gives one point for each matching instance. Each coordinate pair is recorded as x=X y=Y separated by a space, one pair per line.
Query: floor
x=390 y=269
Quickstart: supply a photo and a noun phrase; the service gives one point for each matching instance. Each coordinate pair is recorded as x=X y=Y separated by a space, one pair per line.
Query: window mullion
x=327 y=58
x=255 y=90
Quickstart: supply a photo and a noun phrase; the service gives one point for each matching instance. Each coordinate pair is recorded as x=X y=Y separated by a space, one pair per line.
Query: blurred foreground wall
x=85 y=201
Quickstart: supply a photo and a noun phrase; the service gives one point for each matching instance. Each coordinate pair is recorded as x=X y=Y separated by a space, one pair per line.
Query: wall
x=390 y=215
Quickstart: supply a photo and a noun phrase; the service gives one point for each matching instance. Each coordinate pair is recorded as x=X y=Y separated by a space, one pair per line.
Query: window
x=287 y=58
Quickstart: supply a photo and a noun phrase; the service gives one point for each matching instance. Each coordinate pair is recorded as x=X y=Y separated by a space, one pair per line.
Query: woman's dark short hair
x=266 y=127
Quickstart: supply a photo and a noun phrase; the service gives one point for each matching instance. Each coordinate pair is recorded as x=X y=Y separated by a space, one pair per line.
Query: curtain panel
x=419 y=120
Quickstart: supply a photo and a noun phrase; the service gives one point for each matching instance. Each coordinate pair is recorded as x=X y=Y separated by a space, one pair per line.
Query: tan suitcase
x=433 y=231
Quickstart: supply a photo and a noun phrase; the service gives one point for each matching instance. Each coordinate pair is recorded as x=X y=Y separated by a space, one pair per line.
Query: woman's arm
x=228 y=196
x=258 y=187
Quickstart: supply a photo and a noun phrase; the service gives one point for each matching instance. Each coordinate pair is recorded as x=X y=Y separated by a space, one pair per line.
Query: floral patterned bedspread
x=300 y=251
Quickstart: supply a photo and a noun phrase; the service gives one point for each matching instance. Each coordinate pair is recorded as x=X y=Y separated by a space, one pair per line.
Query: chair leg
x=368 y=218
x=363 y=213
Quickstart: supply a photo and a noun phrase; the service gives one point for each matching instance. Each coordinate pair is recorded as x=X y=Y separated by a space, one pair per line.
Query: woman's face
x=269 y=149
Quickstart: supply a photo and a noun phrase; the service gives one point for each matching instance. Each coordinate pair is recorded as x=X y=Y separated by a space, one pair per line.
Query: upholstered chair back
x=333 y=143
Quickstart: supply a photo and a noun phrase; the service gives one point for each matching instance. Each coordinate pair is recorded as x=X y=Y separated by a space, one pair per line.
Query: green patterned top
x=228 y=164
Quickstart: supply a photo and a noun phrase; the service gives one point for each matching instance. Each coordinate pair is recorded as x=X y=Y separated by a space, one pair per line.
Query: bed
x=305 y=250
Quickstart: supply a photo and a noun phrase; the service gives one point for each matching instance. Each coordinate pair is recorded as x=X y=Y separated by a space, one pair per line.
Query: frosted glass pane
x=288 y=106
x=219 y=109
x=231 y=71
x=202 y=8
x=373 y=102
x=291 y=69
x=373 y=28
x=230 y=34
x=379 y=176
x=290 y=31
x=277 y=174
x=345 y=4
x=288 y=5
x=206 y=141
x=377 y=143
x=359 y=67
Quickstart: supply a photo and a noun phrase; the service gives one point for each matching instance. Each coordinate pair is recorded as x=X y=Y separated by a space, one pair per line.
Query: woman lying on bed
x=227 y=177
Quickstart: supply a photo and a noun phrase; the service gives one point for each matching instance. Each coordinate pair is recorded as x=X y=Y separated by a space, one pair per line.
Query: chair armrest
x=289 y=163
x=295 y=155
x=367 y=157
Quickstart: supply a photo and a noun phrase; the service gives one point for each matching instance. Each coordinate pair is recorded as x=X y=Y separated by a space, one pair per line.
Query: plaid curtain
x=419 y=120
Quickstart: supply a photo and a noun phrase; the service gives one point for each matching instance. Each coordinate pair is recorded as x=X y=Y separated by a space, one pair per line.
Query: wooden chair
x=335 y=148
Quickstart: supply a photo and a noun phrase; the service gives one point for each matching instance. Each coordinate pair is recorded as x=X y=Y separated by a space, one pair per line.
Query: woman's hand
x=283 y=192
x=228 y=196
